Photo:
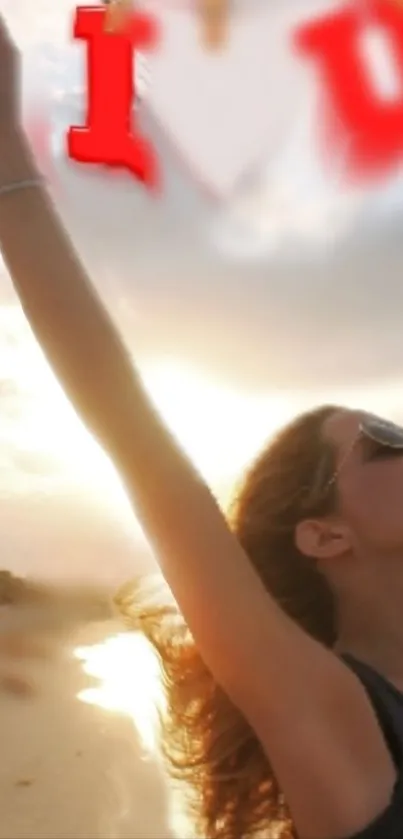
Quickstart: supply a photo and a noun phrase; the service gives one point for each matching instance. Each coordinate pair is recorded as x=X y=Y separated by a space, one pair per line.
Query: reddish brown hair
x=206 y=741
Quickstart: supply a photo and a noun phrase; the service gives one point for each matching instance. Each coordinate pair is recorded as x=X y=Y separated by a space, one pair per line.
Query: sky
x=239 y=309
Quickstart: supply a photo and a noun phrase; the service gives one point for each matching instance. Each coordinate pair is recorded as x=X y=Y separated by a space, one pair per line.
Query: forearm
x=64 y=310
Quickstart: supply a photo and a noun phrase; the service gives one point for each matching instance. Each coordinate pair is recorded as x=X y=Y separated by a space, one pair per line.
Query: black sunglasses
x=383 y=433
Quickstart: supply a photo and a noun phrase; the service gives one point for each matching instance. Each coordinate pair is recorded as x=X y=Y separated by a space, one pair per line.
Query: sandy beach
x=72 y=769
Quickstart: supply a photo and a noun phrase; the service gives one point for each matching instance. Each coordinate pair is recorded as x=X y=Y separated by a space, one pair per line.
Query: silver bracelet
x=17 y=185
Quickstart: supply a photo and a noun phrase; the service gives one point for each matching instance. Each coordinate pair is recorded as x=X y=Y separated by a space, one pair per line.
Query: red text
x=372 y=126
x=110 y=136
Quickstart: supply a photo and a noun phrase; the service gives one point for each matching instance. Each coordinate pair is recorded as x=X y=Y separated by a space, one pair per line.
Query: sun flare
x=220 y=428
x=128 y=681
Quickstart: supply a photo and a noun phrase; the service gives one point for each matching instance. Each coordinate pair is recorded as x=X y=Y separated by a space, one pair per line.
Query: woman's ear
x=322 y=538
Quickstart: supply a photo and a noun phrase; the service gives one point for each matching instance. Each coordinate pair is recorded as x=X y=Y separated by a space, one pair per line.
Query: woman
x=285 y=711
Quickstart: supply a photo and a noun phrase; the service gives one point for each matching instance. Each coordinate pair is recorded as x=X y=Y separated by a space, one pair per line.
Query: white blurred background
x=239 y=314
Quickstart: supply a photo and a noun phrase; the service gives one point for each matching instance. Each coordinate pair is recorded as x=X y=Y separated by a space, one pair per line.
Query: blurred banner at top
x=285 y=127
x=226 y=82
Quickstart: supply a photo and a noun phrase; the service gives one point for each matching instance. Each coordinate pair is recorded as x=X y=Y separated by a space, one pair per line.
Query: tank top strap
x=387 y=702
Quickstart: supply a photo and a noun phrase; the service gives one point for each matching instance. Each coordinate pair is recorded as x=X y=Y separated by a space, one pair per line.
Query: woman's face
x=369 y=482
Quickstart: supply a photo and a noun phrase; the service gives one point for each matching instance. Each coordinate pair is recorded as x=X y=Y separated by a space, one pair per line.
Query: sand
x=70 y=769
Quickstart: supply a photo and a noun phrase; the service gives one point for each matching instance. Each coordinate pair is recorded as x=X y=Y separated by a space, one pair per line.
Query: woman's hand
x=9 y=82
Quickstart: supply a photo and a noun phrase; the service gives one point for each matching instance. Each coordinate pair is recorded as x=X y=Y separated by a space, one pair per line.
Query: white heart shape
x=223 y=111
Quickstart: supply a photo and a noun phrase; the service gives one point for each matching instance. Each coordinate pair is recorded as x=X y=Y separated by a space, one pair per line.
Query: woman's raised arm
x=200 y=558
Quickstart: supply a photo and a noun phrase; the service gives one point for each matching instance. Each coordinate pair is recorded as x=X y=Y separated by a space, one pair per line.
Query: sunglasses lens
x=383 y=432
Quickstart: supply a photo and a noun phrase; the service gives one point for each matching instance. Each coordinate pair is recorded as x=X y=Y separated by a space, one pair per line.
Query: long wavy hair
x=206 y=742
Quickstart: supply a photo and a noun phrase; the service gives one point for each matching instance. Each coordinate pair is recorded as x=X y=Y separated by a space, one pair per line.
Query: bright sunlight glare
x=219 y=427
x=129 y=681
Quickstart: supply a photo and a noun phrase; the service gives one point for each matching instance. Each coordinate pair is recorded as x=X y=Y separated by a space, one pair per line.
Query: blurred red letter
x=110 y=136
x=373 y=126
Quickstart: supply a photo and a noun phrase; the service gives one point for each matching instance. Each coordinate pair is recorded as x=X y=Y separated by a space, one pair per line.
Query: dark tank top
x=388 y=705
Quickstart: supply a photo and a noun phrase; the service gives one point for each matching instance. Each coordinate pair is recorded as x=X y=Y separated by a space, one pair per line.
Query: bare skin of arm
x=310 y=712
